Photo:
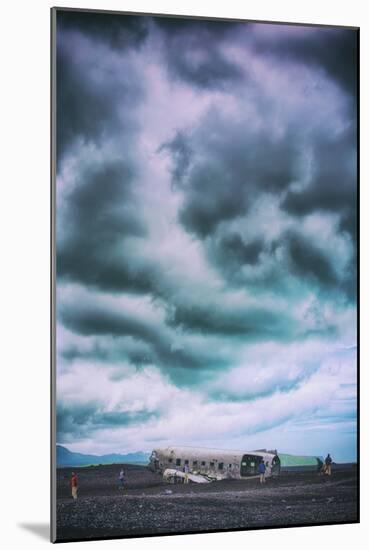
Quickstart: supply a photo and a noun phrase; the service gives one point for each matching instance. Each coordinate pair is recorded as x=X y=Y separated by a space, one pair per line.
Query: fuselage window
x=211 y=464
x=186 y=462
x=170 y=460
x=220 y=466
x=203 y=463
x=194 y=463
x=178 y=462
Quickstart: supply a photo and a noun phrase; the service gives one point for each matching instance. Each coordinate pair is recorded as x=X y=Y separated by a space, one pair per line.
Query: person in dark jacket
x=121 y=478
x=262 y=469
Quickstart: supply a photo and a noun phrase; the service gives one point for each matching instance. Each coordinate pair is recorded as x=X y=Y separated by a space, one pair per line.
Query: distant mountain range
x=65 y=457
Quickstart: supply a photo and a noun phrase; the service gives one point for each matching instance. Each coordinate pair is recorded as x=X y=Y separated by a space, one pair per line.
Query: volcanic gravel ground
x=148 y=506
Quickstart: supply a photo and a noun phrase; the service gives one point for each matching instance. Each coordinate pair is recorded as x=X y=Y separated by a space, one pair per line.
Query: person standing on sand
x=328 y=465
x=121 y=478
x=74 y=485
x=186 y=470
x=261 y=470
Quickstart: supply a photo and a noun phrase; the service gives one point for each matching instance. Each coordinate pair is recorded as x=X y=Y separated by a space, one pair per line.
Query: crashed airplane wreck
x=201 y=465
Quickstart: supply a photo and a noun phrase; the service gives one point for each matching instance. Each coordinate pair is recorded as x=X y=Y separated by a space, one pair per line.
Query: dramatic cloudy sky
x=206 y=245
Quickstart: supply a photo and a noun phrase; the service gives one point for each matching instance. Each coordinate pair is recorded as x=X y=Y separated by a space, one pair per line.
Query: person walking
x=74 y=485
x=328 y=464
x=121 y=478
x=186 y=470
x=262 y=469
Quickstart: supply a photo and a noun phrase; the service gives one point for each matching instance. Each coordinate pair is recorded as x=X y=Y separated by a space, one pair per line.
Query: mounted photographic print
x=204 y=274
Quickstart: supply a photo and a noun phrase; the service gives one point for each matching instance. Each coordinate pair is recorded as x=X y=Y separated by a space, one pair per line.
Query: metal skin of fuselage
x=214 y=463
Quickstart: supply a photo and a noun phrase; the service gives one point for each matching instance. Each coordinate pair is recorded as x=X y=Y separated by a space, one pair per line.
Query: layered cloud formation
x=206 y=235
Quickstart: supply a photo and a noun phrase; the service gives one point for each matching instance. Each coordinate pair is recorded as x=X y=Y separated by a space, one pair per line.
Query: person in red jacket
x=74 y=485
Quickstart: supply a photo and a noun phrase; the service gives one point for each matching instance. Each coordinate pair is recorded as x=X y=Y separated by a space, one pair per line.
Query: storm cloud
x=332 y=50
x=94 y=99
x=203 y=62
x=102 y=217
x=206 y=215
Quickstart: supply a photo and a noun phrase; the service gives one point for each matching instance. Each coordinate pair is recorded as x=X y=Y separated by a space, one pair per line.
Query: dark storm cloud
x=308 y=261
x=82 y=419
x=224 y=165
x=72 y=420
x=73 y=352
x=232 y=253
x=99 y=213
x=271 y=387
x=82 y=111
x=254 y=323
x=349 y=220
x=289 y=256
x=235 y=252
x=92 y=319
x=89 y=95
x=211 y=198
x=332 y=50
x=118 y=31
x=333 y=183
x=332 y=189
x=231 y=166
x=187 y=26
x=183 y=365
x=194 y=54
x=181 y=153
x=111 y=350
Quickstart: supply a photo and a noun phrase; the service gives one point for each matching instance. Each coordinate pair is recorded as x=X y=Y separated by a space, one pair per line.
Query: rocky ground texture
x=148 y=506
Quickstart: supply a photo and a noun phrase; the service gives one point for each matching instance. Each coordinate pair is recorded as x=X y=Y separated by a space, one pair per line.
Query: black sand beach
x=148 y=506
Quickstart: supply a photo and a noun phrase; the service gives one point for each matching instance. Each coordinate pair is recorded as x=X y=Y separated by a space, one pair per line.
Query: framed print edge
x=53 y=464
x=53 y=367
